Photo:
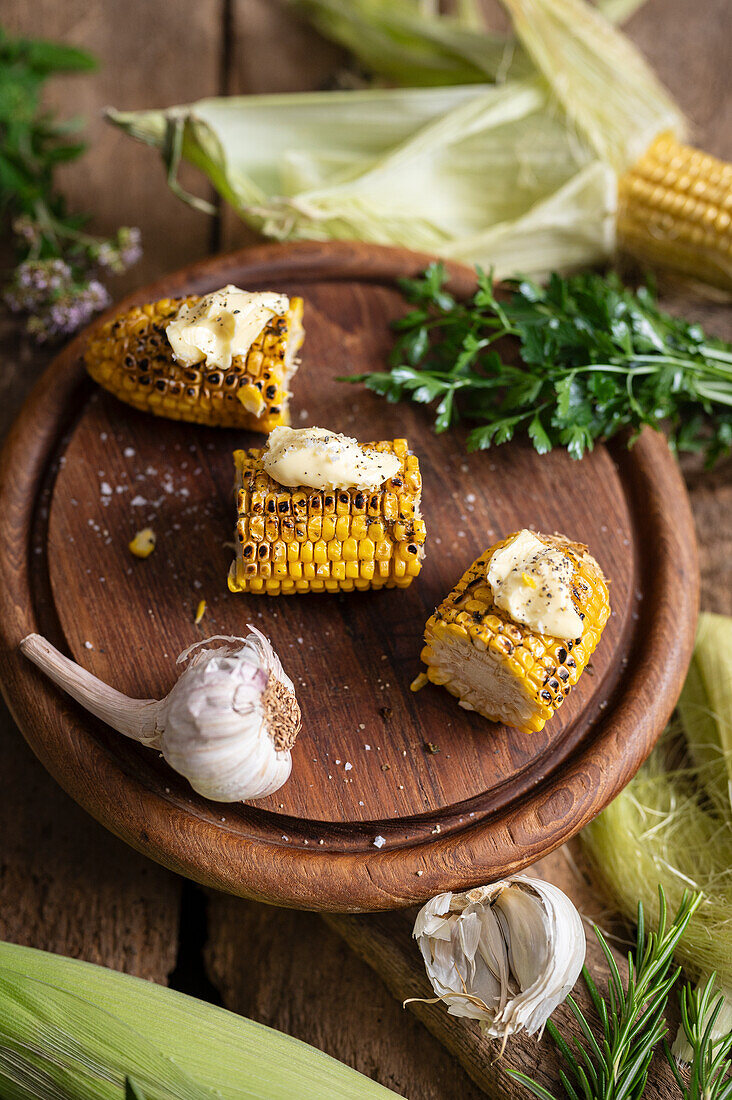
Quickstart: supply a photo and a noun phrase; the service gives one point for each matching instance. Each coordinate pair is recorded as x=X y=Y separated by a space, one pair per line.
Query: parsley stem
x=596 y=359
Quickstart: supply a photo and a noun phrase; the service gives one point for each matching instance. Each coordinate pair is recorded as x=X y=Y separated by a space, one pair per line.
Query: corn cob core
x=131 y=357
x=328 y=540
x=675 y=209
x=501 y=668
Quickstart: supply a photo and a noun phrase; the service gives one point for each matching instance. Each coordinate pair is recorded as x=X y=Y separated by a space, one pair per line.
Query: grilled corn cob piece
x=501 y=668
x=130 y=356
x=326 y=540
x=675 y=209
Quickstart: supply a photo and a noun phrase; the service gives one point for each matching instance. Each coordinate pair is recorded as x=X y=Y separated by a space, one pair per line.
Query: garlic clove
x=228 y=724
x=522 y=918
x=505 y=955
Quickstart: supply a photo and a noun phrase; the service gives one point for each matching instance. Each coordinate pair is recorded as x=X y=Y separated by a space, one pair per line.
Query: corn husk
x=409 y=43
x=520 y=176
x=673 y=822
x=69 y=1029
x=705 y=708
x=484 y=174
x=604 y=85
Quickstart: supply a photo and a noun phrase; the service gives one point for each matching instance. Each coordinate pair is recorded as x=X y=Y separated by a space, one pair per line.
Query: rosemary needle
x=711 y=1059
x=614 y=1064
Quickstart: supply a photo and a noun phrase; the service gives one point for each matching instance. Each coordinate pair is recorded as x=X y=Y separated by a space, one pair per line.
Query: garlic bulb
x=227 y=725
x=505 y=954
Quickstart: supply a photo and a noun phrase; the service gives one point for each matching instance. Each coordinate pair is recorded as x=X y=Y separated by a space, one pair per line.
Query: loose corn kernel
x=143 y=543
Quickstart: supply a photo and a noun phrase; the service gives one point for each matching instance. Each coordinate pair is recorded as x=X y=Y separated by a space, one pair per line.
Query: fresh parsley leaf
x=595 y=359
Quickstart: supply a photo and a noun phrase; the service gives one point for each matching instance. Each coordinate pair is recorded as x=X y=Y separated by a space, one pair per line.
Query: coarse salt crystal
x=105 y=489
x=379 y=842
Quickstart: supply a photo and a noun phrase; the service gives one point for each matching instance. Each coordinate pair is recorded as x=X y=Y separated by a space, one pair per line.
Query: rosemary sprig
x=595 y=359
x=614 y=1065
x=711 y=1062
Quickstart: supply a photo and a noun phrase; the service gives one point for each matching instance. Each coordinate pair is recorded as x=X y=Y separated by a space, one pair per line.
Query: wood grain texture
x=66 y=884
x=292 y=972
x=492 y=800
x=146 y=54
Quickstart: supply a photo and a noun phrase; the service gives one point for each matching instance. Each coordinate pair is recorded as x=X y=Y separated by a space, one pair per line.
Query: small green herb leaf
x=595 y=359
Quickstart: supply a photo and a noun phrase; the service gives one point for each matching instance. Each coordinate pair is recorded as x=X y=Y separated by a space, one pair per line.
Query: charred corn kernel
x=200 y=611
x=326 y=541
x=501 y=668
x=143 y=543
x=675 y=209
x=131 y=357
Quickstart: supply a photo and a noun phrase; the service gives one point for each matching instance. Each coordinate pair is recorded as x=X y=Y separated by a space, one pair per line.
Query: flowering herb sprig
x=56 y=281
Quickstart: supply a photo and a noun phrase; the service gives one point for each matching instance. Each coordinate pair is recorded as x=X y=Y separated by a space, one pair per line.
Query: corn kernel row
x=675 y=208
x=131 y=357
x=546 y=668
x=327 y=540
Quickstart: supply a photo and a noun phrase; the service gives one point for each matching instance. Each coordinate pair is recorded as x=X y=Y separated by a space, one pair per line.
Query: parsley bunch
x=55 y=281
x=595 y=358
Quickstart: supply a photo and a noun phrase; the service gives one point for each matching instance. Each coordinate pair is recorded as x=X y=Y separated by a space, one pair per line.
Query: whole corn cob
x=326 y=540
x=131 y=357
x=675 y=210
x=501 y=668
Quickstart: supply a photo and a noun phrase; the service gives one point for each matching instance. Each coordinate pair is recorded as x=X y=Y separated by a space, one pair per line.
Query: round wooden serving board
x=82 y=472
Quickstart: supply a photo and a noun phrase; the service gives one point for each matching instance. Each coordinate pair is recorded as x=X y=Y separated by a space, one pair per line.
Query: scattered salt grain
x=347 y=767
x=88 y=645
x=379 y=842
x=106 y=489
x=129 y=452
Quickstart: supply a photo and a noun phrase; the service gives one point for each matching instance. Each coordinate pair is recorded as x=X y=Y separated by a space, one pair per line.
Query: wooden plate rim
x=61 y=734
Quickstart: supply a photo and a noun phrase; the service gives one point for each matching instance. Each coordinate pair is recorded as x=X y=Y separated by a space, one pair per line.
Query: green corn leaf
x=68 y=1028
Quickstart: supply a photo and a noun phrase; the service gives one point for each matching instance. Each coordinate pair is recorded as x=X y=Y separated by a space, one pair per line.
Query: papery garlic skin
x=227 y=725
x=223 y=725
x=506 y=954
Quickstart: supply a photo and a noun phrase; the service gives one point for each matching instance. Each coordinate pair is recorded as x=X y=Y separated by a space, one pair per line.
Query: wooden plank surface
x=64 y=882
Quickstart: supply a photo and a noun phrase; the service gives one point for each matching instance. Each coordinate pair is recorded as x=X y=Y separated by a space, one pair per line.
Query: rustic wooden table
x=65 y=884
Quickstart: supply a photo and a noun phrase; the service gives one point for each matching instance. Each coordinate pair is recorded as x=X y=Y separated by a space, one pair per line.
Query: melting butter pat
x=533 y=583
x=222 y=324
x=320 y=459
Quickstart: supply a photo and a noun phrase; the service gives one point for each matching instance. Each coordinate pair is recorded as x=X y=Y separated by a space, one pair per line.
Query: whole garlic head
x=505 y=955
x=230 y=721
x=227 y=725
